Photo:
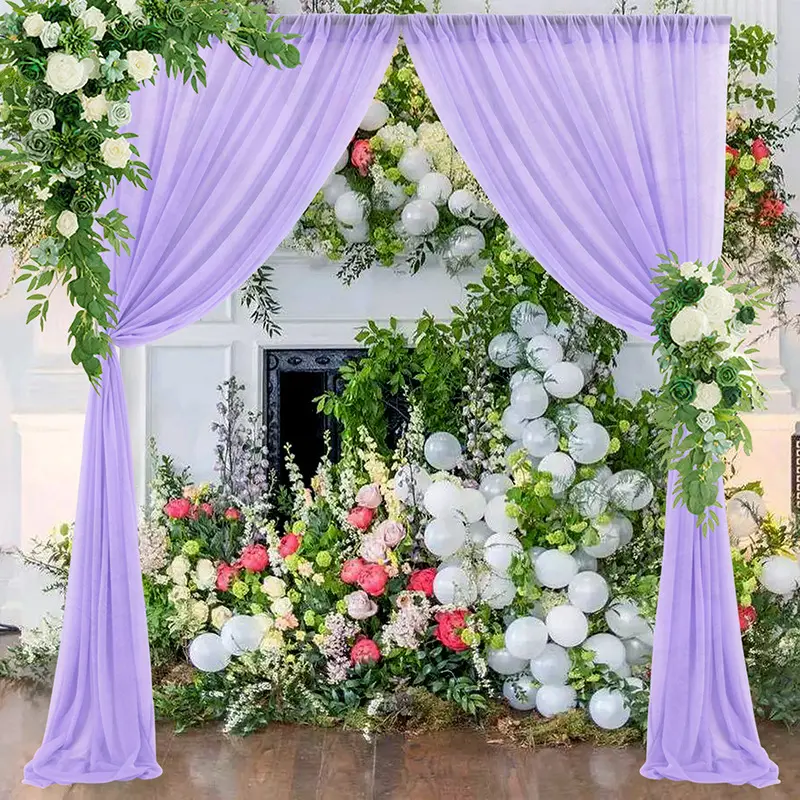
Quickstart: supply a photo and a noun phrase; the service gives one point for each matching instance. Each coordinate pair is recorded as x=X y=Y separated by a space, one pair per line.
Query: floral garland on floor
x=68 y=70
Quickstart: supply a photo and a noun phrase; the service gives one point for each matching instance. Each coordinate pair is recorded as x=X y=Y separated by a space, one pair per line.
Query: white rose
x=282 y=606
x=94 y=108
x=67 y=223
x=274 y=586
x=91 y=66
x=94 y=18
x=205 y=574
x=49 y=35
x=717 y=304
x=688 y=269
x=708 y=395
x=141 y=64
x=77 y=7
x=689 y=325
x=126 y=6
x=115 y=152
x=219 y=616
x=65 y=73
x=704 y=274
x=33 y=24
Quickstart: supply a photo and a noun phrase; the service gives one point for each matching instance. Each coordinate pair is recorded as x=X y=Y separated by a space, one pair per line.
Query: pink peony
x=351 y=570
x=361 y=156
x=448 y=631
x=373 y=579
x=759 y=149
x=361 y=517
x=422 y=581
x=225 y=576
x=365 y=651
x=289 y=544
x=391 y=532
x=232 y=514
x=179 y=508
x=360 y=605
x=254 y=557
x=369 y=496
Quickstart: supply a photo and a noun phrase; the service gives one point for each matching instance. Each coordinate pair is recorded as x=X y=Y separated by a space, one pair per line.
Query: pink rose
x=361 y=156
x=360 y=605
x=289 y=544
x=448 y=631
x=254 y=557
x=369 y=496
x=759 y=149
x=391 y=532
x=373 y=548
x=422 y=581
x=351 y=570
x=365 y=651
x=225 y=576
x=373 y=579
x=361 y=517
x=179 y=508
x=232 y=514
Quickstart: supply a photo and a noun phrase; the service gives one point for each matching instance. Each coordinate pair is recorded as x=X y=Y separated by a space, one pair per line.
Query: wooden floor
x=293 y=763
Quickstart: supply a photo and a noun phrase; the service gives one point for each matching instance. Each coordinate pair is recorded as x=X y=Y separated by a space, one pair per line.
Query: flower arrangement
x=701 y=320
x=68 y=72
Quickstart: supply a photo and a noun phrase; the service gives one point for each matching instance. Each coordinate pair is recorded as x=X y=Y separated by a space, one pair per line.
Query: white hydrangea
x=400 y=134
x=708 y=395
x=205 y=574
x=689 y=325
x=718 y=304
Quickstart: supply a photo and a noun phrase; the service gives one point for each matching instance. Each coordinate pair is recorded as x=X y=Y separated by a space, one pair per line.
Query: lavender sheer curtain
x=600 y=140
x=233 y=169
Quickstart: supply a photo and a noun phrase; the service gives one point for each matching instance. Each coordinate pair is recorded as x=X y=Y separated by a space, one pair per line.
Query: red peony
x=373 y=579
x=232 y=514
x=351 y=570
x=422 y=581
x=448 y=631
x=361 y=517
x=289 y=544
x=361 y=156
x=225 y=576
x=770 y=209
x=759 y=149
x=747 y=616
x=254 y=557
x=179 y=508
x=365 y=651
x=732 y=152
x=207 y=509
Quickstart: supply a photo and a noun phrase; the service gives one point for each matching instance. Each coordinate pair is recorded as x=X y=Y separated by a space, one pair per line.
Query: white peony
x=219 y=616
x=205 y=574
x=49 y=35
x=94 y=108
x=689 y=325
x=65 y=73
x=67 y=223
x=718 y=304
x=126 y=6
x=141 y=64
x=94 y=18
x=33 y=24
x=708 y=395
x=273 y=586
x=115 y=152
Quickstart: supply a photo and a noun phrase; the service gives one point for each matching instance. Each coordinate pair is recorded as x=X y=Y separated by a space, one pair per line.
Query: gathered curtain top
x=563 y=28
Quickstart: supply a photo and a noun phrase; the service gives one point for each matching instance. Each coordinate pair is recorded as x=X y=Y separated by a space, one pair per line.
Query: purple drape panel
x=600 y=140
x=233 y=168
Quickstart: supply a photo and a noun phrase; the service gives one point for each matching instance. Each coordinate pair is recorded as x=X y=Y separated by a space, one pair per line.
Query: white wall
x=171 y=384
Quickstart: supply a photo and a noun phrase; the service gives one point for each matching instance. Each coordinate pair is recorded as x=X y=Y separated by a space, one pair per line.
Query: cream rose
x=199 y=611
x=282 y=606
x=94 y=18
x=126 y=6
x=273 y=586
x=65 y=73
x=708 y=395
x=115 y=152
x=67 y=223
x=33 y=25
x=689 y=325
x=49 y=35
x=141 y=64
x=94 y=108
x=718 y=304
x=205 y=574
x=219 y=616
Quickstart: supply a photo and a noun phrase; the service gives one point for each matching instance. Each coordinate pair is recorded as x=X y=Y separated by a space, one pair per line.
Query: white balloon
x=520 y=692
x=503 y=662
x=608 y=710
x=588 y=443
x=586 y=562
x=623 y=670
x=434 y=187
x=497 y=591
x=602 y=473
x=780 y=574
x=465 y=241
x=590 y=499
x=528 y=319
x=208 y=654
x=542 y=351
x=390 y=197
x=445 y=536
x=334 y=188
x=499 y=550
x=560 y=332
x=563 y=380
x=505 y=350
x=555 y=569
x=354 y=234
x=419 y=217
x=618 y=526
x=513 y=423
x=607 y=648
x=473 y=504
x=414 y=164
x=351 y=208
x=410 y=484
x=645 y=635
x=534 y=553
x=553 y=700
x=497 y=518
x=623 y=618
x=586 y=362
x=482 y=212
x=636 y=651
x=442 y=499
x=630 y=489
x=525 y=376
x=526 y=638
x=569 y=416
x=241 y=634
x=562 y=469
x=376 y=116
x=494 y=484
x=588 y=591
x=343 y=161
x=552 y=666
x=452 y=586
x=442 y=450
x=461 y=203
x=529 y=400
x=478 y=532
x=540 y=437
x=567 y=625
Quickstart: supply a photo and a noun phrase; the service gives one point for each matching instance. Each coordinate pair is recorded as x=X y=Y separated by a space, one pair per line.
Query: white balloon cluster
x=211 y=652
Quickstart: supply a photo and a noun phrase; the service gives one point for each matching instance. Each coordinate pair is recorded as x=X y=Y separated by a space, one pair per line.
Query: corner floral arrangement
x=67 y=71
x=700 y=321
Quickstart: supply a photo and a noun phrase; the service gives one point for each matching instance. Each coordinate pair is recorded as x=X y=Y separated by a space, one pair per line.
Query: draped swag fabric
x=599 y=139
